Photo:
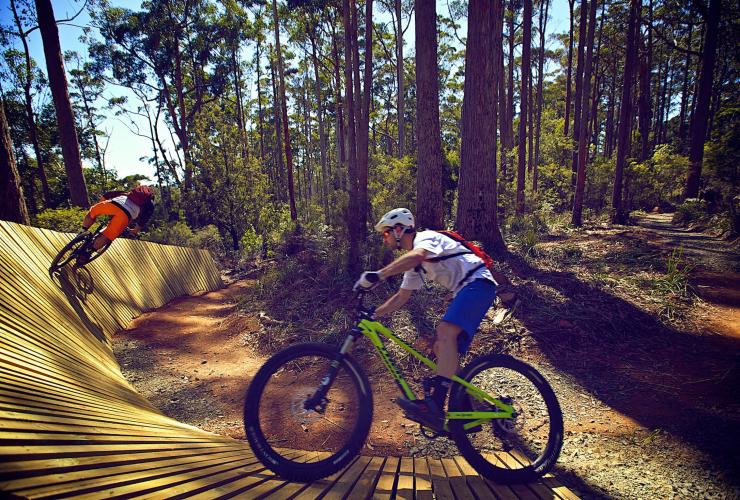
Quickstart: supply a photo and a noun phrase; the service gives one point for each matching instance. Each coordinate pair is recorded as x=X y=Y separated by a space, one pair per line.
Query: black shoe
x=424 y=411
x=83 y=258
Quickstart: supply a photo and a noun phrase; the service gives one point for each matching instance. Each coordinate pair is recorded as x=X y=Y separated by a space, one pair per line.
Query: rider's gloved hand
x=369 y=313
x=367 y=280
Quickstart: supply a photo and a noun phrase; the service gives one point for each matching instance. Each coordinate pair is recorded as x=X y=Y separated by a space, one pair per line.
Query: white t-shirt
x=132 y=208
x=448 y=272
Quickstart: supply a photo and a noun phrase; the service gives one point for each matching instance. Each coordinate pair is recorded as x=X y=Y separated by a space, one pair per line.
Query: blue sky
x=125 y=149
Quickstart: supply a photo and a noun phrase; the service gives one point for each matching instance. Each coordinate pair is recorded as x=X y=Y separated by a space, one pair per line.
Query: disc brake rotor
x=301 y=414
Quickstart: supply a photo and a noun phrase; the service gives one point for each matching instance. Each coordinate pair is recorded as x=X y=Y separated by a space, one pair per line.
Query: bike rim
x=287 y=424
x=522 y=442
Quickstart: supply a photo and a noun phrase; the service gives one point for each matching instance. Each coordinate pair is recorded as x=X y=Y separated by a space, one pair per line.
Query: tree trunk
x=524 y=110
x=240 y=121
x=576 y=133
x=619 y=216
x=322 y=128
x=568 y=78
x=429 y=210
x=583 y=141
x=399 y=77
x=643 y=103
x=541 y=65
x=699 y=120
x=510 y=93
x=284 y=104
x=260 y=113
x=609 y=126
x=278 y=165
x=666 y=107
x=341 y=133
x=476 y=209
x=503 y=119
x=364 y=130
x=60 y=93
x=352 y=209
x=598 y=86
x=12 y=202
x=685 y=93
x=30 y=117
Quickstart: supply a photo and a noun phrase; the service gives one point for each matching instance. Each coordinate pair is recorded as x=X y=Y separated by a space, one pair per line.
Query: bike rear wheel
x=508 y=450
x=296 y=437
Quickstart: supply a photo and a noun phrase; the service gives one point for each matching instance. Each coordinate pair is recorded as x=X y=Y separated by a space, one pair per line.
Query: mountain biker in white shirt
x=435 y=256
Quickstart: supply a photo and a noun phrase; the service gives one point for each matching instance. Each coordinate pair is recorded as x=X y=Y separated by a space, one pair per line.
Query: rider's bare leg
x=100 y=242
x=445 y=348
x=87 y=222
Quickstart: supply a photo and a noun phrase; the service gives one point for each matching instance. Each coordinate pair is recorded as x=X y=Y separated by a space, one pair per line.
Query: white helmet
x=402 y=216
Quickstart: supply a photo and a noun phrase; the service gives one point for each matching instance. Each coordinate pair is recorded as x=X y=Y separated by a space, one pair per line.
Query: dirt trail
x=715 y=277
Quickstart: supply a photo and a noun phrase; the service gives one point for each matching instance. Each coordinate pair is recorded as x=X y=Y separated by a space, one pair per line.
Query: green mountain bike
x=502 y=414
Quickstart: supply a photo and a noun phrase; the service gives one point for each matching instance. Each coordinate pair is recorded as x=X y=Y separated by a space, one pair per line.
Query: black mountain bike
x=82 y=244
x=309 y=408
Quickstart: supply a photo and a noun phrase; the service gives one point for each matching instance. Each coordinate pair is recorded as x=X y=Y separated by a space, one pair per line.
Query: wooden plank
x=366 y=483
x=457 y=480
x=320 y=487
x=516 y=459
x=475 y=482
x=423 y=479
x=440 y=481
x=244 y=482
x=126 y=482
x=78 y=479
x=348 y=480
x=558 y=487
x=405 y=483
x=385 y=487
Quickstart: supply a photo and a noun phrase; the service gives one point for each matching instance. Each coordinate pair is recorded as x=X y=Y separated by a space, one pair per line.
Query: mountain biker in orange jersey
x=135 y=206
x=453 y=267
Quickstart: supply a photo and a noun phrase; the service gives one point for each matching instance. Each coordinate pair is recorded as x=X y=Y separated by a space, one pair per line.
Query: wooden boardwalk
x=72 y=426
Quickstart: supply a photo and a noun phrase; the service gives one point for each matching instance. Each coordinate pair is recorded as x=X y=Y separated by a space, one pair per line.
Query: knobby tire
x=346 y=442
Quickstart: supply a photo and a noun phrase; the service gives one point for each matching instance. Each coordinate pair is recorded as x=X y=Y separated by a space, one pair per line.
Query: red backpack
x=471 y=248
x=140 y=195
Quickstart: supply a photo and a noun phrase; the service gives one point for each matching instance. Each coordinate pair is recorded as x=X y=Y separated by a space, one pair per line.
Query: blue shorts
x=468 y=308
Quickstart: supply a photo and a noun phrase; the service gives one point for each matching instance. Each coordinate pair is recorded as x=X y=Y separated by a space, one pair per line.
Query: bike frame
x=374 y=330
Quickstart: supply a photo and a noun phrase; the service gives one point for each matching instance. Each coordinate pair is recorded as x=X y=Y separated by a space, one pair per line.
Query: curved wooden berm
x=71 y=426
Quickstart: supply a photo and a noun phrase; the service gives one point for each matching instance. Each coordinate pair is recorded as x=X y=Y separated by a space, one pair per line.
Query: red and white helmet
x=397 y=216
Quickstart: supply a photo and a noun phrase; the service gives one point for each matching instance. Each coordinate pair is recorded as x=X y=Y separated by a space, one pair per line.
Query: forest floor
x=647 y=372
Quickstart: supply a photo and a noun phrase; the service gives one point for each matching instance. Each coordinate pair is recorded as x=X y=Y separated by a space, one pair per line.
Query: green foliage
x=659 y=179
x=251 y=244
x=722 y=154
x=208 y=238
x=180 y=234
x=67 y=220
x=177 y=233
x=392 y=184
x=691 y=210
x=676 y=275
x=527 y=230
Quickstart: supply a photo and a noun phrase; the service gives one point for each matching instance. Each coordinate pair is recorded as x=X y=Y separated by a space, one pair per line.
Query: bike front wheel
x=299 y=430
x=518 y=449
x=68 y=252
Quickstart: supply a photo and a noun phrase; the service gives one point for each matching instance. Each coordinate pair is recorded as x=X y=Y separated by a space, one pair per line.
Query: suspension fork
x=318 y=401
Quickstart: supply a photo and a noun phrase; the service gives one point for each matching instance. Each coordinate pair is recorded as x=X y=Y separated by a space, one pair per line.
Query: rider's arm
x=395 y=302
x=404 y=263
